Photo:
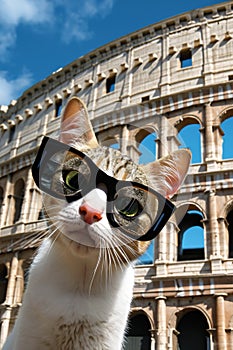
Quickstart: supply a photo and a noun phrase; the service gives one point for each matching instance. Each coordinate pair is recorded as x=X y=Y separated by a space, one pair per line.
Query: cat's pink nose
x=89 y=214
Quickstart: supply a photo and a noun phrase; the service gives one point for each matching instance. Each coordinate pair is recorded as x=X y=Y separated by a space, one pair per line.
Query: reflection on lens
x=64 y=174
x=135 y=210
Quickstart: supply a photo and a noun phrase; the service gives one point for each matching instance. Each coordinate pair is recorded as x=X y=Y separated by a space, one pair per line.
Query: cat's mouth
x=81 y=235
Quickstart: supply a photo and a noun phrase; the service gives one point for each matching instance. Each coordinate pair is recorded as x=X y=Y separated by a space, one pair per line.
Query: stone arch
x=111 y=141
x=3 y=282
x=177 y=313
x=228 y=206
x=191 y=235
x=225 y=123
x=228 y=216
x=224 y=114
x=187 y=119
x=191 y=125
x=138 y=332
x=183 y=207
x=146 y=143
x=110 y=137
x=19 y=191
x=192 y=325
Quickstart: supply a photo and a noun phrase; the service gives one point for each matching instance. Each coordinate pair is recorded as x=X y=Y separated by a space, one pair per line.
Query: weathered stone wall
x=163 y=77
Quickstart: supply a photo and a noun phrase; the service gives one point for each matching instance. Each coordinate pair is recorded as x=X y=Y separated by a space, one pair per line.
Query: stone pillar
x=35 y=204
x=8 y=208
x=127 y=61
x=4 y=208
x=220 y=322
x=207 y=55
x=163 y=149
x=129 y=145
x=224 y=237
x=172 y=239
x=165 y=66
x=124 y=140
x=213 y=224
x=5 y=323
x=153 y=339
x=26 y=205
x=209 y=136
x=161 y=323
x=163 y=244
x=19 y=284
x=6 y=317
x=12 y=280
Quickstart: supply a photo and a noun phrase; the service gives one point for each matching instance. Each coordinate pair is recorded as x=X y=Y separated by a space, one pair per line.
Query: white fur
x=54 y=298
x=76 y=298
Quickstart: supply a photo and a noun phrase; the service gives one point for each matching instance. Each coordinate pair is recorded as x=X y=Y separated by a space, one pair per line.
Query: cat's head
x=98 y=198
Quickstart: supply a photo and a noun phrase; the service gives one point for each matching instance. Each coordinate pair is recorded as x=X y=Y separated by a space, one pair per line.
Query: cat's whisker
x=54 y=234
x=95 y=271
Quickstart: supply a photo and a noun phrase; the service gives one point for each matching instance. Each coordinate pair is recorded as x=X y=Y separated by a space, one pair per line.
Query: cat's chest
x=83 y=334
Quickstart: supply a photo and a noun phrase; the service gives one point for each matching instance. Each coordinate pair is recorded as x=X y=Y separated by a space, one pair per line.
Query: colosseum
x=170 y=83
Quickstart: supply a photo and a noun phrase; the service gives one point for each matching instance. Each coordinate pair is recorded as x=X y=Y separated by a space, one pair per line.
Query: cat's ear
x=76 y=126
x=168 y=173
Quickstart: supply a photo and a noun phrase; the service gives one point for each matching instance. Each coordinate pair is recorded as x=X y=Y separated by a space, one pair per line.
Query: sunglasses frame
x=165 y=210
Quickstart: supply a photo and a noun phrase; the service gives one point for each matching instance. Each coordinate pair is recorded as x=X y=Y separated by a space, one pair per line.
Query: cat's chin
x=77 y=248
x=83 y=234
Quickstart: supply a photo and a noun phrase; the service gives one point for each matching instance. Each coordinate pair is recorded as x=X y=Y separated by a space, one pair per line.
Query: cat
x=103 y=210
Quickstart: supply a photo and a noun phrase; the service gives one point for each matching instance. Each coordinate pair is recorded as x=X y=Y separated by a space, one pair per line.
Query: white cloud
x=71 y=19
x=74 y=23
x=14 y=12
x=11 y=89
x=78 y=16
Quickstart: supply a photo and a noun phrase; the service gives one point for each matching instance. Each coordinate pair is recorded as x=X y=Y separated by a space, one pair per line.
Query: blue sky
x=39 y=36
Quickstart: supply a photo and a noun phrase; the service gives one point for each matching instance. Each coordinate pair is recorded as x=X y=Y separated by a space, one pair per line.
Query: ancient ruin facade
x=165 y=79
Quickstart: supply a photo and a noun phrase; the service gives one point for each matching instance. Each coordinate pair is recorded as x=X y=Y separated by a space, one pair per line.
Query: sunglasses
x=66 y=173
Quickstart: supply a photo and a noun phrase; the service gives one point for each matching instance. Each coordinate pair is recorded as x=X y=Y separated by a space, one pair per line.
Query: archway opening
x=138 y=333
x=227 y=149
x=193 y=334
x=18 y=197
x=191 y=236
x=147 y=148
x=230 y=233
x=1 y=198
x=3 y=282
x=190 y=137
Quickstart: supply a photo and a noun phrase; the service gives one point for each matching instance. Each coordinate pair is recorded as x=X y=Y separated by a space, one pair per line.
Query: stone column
x=165 y=66
x=5 y=202
x=213 y=224
x=129 y=145
x=153 y=339
x=127 y=61
x=220 y=322
x=172 y=238
x=5 y=323
x=12 y=280
x=124 y=140
x=5 y=320
x=224 y=239
x=207 y=54
x=26 y=205
x=163 y=144
x=8 y=209
x=209 y=135
x=161 y=323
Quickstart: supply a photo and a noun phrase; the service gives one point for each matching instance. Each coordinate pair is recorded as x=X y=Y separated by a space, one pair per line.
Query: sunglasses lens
x=62 y=173
x=135 y=210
